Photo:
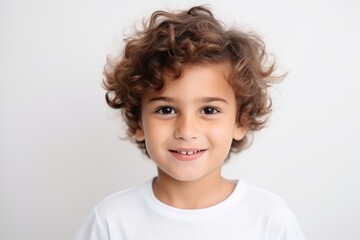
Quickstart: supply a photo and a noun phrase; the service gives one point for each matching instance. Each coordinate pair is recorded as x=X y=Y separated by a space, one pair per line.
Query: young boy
x=190 y=92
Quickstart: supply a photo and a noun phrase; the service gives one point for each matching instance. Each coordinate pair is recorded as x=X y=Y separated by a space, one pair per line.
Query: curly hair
x=168 y=41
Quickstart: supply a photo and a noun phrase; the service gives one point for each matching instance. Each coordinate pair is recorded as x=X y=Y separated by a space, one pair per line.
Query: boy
x=190 y=92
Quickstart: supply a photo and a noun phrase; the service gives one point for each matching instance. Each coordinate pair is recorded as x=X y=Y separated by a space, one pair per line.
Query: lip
x=187 y=154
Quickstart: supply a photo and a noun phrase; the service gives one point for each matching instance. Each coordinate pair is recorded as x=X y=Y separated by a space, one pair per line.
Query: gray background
x=60 y=151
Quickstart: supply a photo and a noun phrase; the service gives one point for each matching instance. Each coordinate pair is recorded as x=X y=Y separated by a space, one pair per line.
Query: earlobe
x=139 y=135
x=239 y=133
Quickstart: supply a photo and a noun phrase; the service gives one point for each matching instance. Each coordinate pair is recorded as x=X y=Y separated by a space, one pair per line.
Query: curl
x=168 y=41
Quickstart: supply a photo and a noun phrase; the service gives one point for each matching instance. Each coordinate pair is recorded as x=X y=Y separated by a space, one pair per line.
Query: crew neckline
x=194 y=215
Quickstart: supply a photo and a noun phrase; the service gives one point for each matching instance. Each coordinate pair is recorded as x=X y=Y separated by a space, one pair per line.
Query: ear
x=139 y=135
x=239 y=133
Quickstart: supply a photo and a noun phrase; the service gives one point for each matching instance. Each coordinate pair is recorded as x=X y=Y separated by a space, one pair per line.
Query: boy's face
x=188 y=127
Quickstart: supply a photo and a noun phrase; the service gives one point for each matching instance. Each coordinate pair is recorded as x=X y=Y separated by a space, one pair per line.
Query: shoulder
x=113 y=212
x=267 y=213
x=262 y=198
x=122 y=202
x=267 y=205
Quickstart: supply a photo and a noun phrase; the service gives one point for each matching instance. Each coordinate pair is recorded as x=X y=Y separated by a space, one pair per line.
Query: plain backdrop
x=60 y=145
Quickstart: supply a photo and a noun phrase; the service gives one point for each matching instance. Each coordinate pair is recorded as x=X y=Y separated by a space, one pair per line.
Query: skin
x=188 y=128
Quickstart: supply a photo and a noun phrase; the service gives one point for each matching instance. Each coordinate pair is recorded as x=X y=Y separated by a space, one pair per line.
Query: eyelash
x=171 y=110
x=160 y=109
x=213 y=109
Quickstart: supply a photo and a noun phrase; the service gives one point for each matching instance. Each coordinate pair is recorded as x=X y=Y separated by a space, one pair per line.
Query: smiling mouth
x=187 y=155
x=186 y=152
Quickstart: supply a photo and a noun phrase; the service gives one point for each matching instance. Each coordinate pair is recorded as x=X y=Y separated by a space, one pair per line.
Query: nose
x=186 y=128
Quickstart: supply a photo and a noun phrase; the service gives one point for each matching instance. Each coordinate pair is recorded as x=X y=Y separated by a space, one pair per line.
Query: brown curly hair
x=172 y=39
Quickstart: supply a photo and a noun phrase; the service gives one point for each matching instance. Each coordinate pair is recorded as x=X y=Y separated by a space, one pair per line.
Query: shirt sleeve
x=291 y=231
x=91 y=229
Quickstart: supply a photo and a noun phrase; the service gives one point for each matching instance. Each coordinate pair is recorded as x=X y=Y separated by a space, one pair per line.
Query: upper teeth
x=188 y=153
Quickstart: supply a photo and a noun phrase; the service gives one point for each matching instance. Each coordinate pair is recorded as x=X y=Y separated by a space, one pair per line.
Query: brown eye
x=209 y=110
x=166 y=110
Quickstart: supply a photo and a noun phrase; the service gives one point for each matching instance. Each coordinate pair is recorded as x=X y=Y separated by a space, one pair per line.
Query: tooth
x=188 y=153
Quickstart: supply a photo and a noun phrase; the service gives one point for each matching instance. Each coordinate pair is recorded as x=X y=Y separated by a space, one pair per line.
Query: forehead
x=196 y=80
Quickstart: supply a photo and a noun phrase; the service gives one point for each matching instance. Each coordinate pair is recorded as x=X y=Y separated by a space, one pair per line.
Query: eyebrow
x=165 y=99
x=203 y=100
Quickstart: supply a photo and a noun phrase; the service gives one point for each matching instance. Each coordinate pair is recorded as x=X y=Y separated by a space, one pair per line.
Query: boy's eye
x=209 y=110
x=166 y=110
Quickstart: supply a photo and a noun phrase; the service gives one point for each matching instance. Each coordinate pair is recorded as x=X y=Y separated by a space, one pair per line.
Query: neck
x=201 y=193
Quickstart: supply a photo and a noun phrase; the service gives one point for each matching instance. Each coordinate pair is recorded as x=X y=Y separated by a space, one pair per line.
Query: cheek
x=155 y=129
x=225 y=127
x=223 y=133
x=220 y=134
x=155 y=135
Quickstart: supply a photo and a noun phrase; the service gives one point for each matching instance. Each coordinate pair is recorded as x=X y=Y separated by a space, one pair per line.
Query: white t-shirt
x=248 y=214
